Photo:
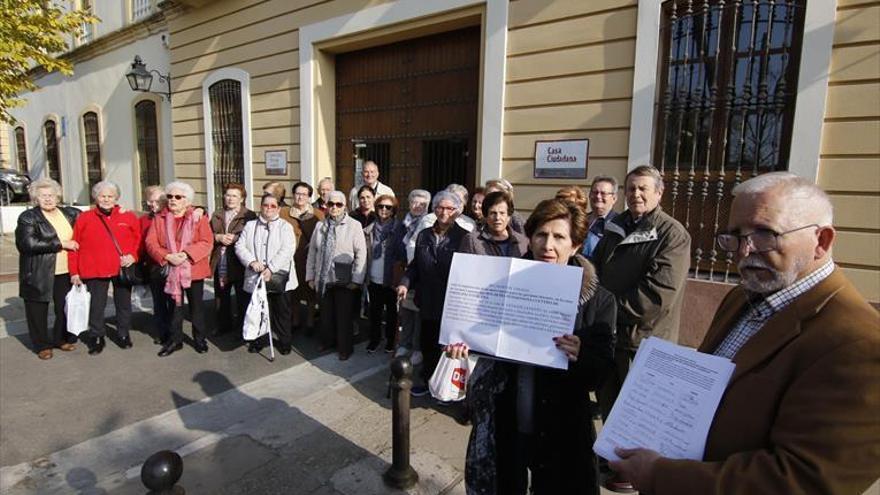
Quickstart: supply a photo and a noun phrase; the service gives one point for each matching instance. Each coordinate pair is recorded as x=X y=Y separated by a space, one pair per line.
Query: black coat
x=563 y=428
x=428 y=273
x=38 y=244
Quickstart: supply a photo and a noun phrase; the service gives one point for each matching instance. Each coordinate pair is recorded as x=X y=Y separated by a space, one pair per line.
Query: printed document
x=667 y=402
x=511 y=308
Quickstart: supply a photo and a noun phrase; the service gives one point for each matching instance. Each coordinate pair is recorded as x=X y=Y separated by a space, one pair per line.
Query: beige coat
x=801 y=414
x=351 y=248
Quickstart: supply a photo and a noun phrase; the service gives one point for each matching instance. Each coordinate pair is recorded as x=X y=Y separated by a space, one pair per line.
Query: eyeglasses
x=384 y=207
x=444 y=208
x=331 y=204
x=270 y=207
x=174 y=196
x=758 y=241
x=302 y=195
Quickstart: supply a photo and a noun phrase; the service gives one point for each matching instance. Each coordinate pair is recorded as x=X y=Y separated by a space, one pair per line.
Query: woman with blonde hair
x=44 y=236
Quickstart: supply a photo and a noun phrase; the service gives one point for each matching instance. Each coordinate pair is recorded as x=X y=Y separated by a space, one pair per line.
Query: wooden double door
x=411 y=107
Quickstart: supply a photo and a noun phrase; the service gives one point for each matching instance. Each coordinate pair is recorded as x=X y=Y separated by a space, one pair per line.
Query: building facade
x=91 y=126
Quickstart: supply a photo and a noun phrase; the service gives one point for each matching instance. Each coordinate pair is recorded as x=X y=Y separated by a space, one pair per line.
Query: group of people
x=797 y=330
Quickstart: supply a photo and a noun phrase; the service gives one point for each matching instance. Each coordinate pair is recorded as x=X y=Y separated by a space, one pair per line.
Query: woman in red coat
x=108 y=239
x=182 y=245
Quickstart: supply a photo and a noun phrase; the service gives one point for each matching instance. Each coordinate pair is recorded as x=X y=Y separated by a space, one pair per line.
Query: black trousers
x=610 y=388
x=226 y=320
x=279 y=317
x=303 y=293
x=194 y=297
x=431 y=350
x=37 y=315
x=98 y=288
x=163 y=307
x=383 y=299
x=336 y=312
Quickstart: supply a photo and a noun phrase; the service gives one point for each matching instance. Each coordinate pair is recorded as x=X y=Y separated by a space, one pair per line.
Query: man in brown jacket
x=801 y=413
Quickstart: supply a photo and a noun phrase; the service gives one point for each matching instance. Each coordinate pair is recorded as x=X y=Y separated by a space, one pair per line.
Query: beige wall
x=6 y=143
x=569 y=75
x=849 y=167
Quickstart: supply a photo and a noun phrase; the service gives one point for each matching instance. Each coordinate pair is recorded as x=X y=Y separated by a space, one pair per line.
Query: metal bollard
x=161 y=471
x=400 y=475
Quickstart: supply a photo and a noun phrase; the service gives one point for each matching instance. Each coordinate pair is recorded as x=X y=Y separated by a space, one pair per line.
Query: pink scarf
x=180 y=276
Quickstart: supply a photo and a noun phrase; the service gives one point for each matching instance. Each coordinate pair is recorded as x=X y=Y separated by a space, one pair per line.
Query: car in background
x=13 y=186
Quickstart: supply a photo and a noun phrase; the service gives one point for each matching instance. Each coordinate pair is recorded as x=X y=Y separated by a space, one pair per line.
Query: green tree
x=33 y=33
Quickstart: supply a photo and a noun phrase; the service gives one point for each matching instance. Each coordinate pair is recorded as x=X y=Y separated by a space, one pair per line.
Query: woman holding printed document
x=534 y=419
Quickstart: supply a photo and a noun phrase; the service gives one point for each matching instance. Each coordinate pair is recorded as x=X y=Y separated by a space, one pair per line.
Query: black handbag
x=277 y=282
x=130 y=275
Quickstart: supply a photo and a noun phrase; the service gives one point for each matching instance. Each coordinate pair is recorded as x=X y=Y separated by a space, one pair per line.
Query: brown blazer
x=235 y=270
x=801 y=414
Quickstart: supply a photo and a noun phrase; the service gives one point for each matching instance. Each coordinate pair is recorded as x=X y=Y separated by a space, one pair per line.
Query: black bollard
x=161 y=471
x=400 y=475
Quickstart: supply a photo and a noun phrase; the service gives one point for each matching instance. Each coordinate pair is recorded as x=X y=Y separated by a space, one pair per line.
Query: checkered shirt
x=758 y=314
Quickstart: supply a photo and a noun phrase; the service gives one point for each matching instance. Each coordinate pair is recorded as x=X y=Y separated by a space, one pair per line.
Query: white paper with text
x=667 y=402
x=511 y=308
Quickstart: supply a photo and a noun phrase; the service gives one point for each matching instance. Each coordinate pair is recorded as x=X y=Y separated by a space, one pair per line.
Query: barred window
x=725 y=107
x=92 y=142
x=146 y=129
x=226 y=135
x=53 y=158
x=21 y=149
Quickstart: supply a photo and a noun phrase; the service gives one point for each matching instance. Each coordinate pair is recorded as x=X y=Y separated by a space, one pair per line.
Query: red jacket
x=97 y=256
x=199 y=250
x=146 y=220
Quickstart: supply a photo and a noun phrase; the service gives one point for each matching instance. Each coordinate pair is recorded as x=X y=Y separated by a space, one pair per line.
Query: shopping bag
x=449 y=381
x=256 y=318
x=76 y=307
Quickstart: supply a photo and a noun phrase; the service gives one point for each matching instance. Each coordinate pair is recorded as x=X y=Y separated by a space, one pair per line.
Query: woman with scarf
x=266 y=248
x=108 y=241
x=181 y=245
x=530 y=419
x=227 y=224
x=383 y=240
x=304 y=218
x=335 y=268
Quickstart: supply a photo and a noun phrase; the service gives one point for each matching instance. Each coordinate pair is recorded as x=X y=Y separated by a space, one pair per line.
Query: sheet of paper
x=510 y=308
x=667 y=402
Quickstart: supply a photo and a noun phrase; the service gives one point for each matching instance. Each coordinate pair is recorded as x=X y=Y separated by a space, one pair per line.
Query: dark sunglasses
x=174 y=196
x=331 y=204
x=384 y=207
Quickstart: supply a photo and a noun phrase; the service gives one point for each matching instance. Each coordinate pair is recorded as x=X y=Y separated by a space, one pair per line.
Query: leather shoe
x=254 y=348
x=284 y=350
x=343 y=356
x=96 y=346
x=67 y=347
x=201 y=347
x=125 y=343
x=169 y=349
x=45 y=354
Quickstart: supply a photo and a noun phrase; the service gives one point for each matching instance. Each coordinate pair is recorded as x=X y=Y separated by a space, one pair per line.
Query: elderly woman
x=516 y=221
x=475 y=207
x=408 y=314
x=304 y=217
x=44 y=236
x=266 y=248
x=154 y=202
x=428 y=274
x=181 y=245
x=383 y=239
x=227 y=224
x=495 y=237
x=529 y=419
x=335 y=268
x=365 y=213
x=108 y=241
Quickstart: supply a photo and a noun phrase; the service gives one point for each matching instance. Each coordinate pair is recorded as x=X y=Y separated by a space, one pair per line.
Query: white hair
x=460 y=190
x=187 y=189
x=44 y=183
x=336 y=194
x=419 y=193
x=104 y=184
x=804 y=200
x=455 y=199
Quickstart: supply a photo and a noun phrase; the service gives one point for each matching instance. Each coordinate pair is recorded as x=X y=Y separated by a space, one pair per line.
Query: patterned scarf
x=328 y=247
x=380 y=234
x=180 y=276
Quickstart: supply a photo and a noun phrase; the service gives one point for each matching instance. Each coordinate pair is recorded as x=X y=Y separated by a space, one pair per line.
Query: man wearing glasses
x=643 y=259
x=603 y=196
x=800 y=412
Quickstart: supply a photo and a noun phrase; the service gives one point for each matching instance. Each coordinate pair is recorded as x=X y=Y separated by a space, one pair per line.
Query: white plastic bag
x=76 y=307
x=449 y=381
x=256 y=318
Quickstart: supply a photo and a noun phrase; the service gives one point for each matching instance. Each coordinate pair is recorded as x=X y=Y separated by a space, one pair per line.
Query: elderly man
x=603 y=196
x=800 y=412
x=643 y=260
x=370 y=174
x=325 y=187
